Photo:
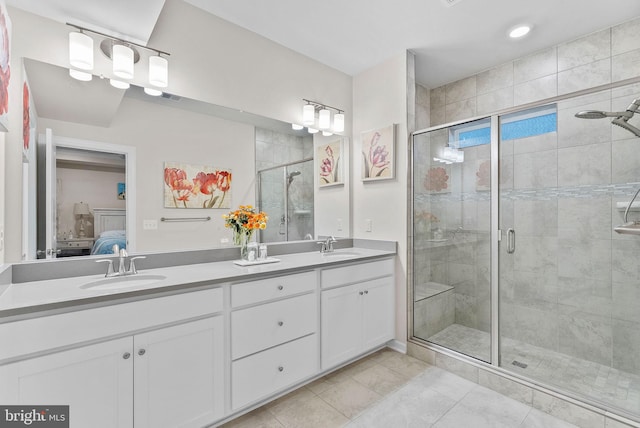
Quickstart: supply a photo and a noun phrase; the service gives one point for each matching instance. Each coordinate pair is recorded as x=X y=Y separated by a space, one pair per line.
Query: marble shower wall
x=573 y=283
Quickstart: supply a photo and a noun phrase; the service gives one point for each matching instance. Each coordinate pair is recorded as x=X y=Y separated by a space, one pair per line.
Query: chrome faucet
x=327 y=245
x=122 y=271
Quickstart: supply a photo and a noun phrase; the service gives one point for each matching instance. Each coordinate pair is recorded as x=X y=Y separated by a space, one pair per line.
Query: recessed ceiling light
x=519 y=31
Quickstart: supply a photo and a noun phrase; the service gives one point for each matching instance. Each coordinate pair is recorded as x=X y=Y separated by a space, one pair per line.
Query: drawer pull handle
x=141 y=352
x=280 y=323
x=126 y=355
x=280 y=369
x=280 y=287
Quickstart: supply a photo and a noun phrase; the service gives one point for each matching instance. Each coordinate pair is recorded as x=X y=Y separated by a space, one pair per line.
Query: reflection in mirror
x=169 y=128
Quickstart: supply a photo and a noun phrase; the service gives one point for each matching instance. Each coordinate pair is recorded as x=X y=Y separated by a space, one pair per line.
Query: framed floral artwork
x=378 y=153
x=196 y=186
x=329 y=162
x=5 y=69
x=29 y=118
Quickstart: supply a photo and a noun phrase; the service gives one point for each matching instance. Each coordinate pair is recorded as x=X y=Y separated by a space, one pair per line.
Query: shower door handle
x=511 y=241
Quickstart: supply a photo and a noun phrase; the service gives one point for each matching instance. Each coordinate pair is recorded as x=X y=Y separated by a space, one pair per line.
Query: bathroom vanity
x=198 y=345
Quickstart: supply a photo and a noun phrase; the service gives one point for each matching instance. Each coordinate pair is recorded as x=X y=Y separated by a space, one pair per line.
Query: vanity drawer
x=247 y=293
x=269 y=371
x=260 y=327
x=55 y=331
x=356 y=273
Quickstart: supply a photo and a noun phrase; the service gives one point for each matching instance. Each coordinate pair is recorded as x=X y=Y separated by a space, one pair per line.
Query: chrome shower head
x=291 y=175
x=591 y=114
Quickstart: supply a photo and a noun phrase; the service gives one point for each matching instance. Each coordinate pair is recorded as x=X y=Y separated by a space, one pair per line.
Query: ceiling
x=450 y=41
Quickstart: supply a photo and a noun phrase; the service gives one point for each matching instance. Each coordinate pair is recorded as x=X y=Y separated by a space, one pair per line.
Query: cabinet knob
x=126 y=355
x=280 y=323
x=141 y=352
x=280 y=287
x=361 y=293
x=280 y=369
x=366 y=291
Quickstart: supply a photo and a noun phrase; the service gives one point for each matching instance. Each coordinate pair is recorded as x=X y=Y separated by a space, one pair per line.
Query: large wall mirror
x=113 y=146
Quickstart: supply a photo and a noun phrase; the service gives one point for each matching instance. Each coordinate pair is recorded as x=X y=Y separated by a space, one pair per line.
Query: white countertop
x=30 y=297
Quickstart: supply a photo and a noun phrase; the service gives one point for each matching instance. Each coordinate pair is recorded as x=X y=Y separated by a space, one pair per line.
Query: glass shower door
x=451 y=238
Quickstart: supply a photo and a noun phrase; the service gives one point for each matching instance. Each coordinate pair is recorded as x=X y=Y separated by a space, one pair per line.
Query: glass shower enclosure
x=515 y=259
x=286 y=195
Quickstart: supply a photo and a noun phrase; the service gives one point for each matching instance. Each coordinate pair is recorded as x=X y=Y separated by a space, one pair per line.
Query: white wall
x=380 y=99
x=211 y=60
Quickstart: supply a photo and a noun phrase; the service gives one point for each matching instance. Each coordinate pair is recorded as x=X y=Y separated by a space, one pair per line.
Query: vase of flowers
x=243 y=222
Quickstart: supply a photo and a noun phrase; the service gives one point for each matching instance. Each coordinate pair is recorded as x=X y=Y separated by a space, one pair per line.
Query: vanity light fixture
x=152 y=92
x=80 y=50
x=80 y=75
x=122 y=57
x=308 y=114
x=119 y=84
x=296 y=127
x=324 y=117
x=312 y=130
x=123 y=54
x=327 y=133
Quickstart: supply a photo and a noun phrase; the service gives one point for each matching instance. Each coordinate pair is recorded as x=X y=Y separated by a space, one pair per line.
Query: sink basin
x=117 y=282
x=339 y=254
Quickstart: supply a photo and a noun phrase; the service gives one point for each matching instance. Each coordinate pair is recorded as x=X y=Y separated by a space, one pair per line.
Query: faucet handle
x=110 y=271
x=323 y=248
x=123 y=252
x=132 y=265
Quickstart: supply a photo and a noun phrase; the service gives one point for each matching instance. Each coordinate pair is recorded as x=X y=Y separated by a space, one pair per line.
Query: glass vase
x=242 y=240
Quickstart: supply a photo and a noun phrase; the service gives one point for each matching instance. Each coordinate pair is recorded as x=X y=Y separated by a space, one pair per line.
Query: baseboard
x=396 y=345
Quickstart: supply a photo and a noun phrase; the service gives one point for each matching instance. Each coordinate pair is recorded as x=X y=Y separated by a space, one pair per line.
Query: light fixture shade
x=158 y=71
x=80 y=75
x=296 y=127
x=152 y=92
x=327 y=133
x=308 y=114
x=324 y=119
x=122 y=61
x=80 y=208
x=81 y=51
x=119 y=84
x=312 y=130
x=338 y=122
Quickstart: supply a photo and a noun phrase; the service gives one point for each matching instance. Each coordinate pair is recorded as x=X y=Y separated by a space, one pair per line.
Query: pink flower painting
x=437 y=180
x=329 y=165
x=378 y=153
x=195 y=186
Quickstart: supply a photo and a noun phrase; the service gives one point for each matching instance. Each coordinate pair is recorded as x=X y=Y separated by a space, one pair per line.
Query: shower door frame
x=496 y=236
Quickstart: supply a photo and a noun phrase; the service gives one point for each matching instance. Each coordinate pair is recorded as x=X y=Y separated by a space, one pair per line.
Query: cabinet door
x=341 y=324
x=179 y=375
x=378 y=312
x=95 y=381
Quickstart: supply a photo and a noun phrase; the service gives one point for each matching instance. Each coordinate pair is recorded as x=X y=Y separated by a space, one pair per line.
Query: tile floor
x=389 y=389
x=603 y=383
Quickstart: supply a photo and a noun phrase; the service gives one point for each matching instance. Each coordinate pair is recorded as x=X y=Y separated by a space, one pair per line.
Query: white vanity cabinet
x=168 y=376
x=274 y=341
x=357 y=310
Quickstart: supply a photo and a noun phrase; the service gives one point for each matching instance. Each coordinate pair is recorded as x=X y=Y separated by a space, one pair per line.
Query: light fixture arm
x=319 y=106
x=126 y=42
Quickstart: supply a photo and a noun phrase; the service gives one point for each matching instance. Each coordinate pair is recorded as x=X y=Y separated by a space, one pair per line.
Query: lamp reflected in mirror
x=81 y=211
